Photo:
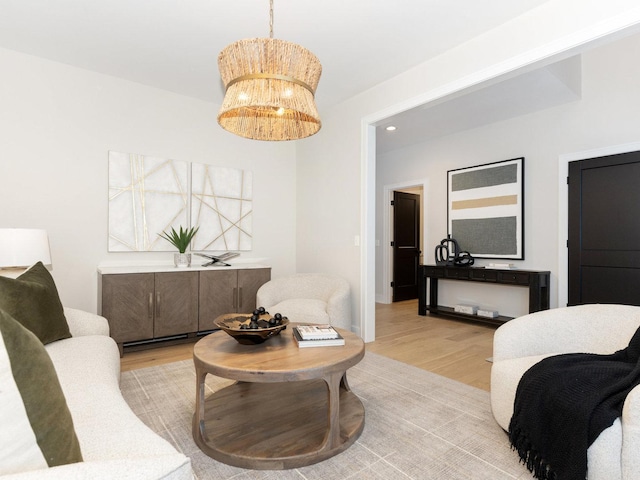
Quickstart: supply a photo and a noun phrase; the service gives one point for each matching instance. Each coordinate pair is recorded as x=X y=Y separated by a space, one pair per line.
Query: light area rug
x=418 y=425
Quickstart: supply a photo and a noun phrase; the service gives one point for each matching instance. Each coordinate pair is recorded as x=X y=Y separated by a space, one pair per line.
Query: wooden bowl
x=230 y=323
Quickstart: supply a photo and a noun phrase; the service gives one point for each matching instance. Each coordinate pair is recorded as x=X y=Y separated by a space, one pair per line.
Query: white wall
x=57 y=124
x=328 y=201
x=329 y=210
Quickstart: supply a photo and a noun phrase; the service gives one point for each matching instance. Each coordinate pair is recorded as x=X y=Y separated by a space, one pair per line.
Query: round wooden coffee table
x=289 y=407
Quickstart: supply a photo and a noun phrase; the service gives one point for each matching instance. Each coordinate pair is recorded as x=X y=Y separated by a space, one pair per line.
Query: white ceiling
x=174 y=44
x=526 y=93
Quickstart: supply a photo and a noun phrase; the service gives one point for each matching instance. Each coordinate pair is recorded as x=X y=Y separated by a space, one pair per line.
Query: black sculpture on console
x=449 y=253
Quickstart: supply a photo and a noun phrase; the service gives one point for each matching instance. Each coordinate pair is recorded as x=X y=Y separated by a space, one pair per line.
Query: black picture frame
x=485 y=209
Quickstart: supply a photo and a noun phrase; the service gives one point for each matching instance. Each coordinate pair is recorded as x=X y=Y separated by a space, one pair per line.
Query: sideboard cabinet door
x=228 y=291
x=128 y=304
x=217 y=296
x=176 y=303
x=249 y=281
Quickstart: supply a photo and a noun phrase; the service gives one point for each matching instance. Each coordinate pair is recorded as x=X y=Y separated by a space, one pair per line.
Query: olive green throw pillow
x=32 y=299
x=36 y=428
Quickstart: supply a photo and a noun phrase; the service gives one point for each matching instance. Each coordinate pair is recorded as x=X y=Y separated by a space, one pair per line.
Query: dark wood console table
x=537 y=282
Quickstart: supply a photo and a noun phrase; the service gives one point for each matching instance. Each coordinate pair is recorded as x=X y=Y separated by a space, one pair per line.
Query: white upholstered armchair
x=602 y=329
x=308 y=297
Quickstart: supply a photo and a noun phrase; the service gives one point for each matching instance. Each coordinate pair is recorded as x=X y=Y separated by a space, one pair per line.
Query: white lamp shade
x=22 y=247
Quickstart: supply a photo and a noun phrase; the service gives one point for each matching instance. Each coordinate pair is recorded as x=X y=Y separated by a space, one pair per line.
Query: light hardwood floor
x=453 y=349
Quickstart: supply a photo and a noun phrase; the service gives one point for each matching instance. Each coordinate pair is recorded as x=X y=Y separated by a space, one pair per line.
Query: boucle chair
x=602 y=329
x=308 y=298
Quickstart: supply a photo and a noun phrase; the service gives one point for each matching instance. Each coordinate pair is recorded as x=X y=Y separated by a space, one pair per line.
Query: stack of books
x=317 y=336
x=501 y=266
x=487 y=313
x=468 y=309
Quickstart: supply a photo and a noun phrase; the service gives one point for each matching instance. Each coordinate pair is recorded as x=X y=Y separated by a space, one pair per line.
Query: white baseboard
x=381 y=298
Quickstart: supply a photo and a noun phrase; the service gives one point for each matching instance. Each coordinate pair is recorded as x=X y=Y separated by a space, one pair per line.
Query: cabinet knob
x=157 y=304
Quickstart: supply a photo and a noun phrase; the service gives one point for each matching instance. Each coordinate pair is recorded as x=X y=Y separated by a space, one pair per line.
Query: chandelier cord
x=270 y=18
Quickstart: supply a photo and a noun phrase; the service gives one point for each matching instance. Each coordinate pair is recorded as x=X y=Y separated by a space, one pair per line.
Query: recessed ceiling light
x=390 y=128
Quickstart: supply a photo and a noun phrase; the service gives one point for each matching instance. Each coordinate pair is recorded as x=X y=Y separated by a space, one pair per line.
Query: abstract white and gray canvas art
x=149 y=195
x=485 y=209
x=222 y=206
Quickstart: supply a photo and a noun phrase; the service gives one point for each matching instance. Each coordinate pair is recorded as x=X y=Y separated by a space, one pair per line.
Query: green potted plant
x=181 y=241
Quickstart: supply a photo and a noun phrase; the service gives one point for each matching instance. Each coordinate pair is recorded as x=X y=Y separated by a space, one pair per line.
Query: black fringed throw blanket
x=564 y=402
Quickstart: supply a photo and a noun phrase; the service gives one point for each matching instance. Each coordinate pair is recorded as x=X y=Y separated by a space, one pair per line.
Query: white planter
x=182 y=260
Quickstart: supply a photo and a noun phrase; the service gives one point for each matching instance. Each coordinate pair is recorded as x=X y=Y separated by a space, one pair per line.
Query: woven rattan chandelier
x=270 y=86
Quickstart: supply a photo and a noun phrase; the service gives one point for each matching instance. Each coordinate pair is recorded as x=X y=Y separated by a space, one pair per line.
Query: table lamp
x=22 y=247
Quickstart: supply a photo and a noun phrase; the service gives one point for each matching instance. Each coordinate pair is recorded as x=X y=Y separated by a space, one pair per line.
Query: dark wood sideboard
x=428 y=275
x=149 y=304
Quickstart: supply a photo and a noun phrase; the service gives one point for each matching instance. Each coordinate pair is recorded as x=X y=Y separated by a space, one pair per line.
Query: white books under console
x=501 y=266
x=468 y=309
x=474 y=310
x=334 y=340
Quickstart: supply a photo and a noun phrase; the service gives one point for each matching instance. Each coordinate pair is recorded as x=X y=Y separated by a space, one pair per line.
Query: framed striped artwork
x=485 y=209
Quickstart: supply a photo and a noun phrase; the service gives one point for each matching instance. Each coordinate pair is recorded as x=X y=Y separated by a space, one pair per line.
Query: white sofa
x=114 y=442
x=308 y=298
x=602 y=329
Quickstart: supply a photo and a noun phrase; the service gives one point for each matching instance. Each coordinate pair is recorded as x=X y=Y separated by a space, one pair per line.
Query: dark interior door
x=406 y=245
x=604 y=230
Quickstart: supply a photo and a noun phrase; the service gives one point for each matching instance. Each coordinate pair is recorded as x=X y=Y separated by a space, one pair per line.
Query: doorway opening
x=401 y=276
